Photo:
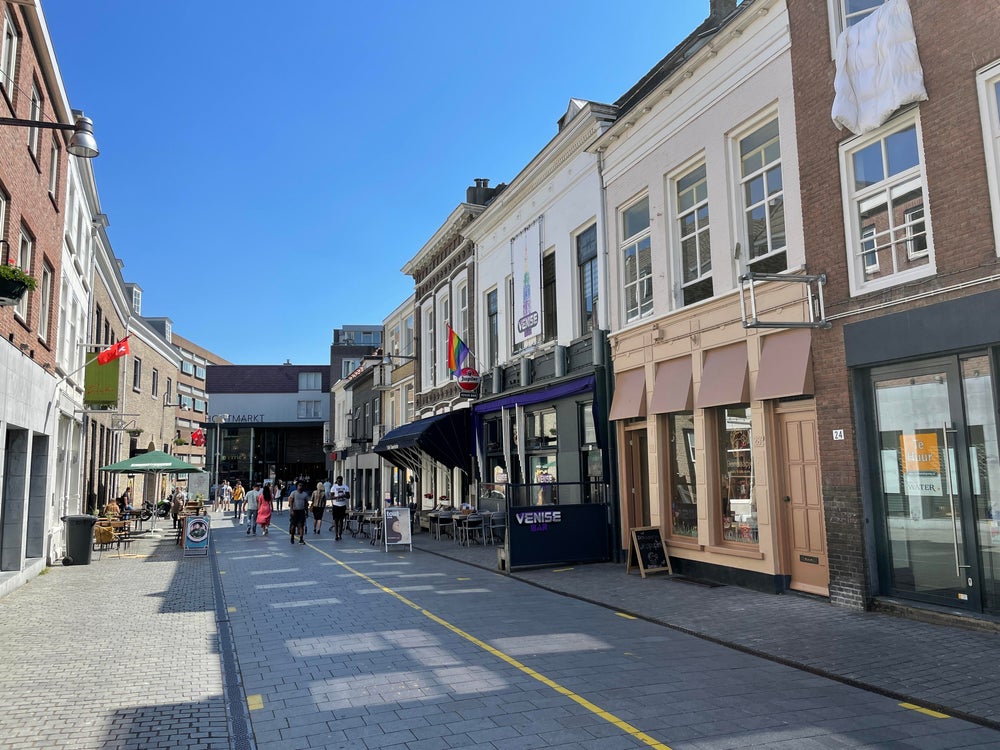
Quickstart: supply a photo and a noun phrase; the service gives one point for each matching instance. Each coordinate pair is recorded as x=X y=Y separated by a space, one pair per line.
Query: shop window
x=683 y=503
x=540 y=429
x=738 y=508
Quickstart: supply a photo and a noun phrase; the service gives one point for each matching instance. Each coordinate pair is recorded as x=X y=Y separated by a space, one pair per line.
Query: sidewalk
x=944 y=667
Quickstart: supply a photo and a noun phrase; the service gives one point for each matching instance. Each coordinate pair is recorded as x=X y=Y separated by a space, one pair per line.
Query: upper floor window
x=988 y=81
x=199 y=404
x=167 y=394
x=462 y=322
x=136 y=374
x=199 y=372
x=885 y=207
x=8 y=54
x=54 y=169
x=25 y=249
x=137 y=300
x=154 y=387
x=441 y=343
x=637 y=261
x=549 y=300
x=310 y=381
x=187 y=367
x=695 y=249
x=34 y=113
x=586 y=264
x=394 y=339
x=763 y=199
x=45 y=302
x=427 y=355
x=407 y=346
x=492 y=329
x=349 y=365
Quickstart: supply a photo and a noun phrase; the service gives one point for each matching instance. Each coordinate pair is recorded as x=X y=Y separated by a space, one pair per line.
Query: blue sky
x=268 y=169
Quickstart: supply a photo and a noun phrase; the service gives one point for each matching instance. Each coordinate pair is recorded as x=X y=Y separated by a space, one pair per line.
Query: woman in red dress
x=264 y=508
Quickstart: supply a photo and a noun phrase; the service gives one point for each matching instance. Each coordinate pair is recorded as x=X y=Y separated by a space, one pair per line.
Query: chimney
x=480 y=192
x=720 y=9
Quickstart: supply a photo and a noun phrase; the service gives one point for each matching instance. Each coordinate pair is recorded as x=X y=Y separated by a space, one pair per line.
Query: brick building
x=901 y=216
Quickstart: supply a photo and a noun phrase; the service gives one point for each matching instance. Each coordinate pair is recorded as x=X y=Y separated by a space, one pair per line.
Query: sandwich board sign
x=647 y=549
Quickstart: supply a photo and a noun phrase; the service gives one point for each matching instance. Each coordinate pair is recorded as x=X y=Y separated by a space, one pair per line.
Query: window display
x=739 y=509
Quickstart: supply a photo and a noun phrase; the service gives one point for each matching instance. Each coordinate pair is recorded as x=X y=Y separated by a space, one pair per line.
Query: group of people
x=260 y=504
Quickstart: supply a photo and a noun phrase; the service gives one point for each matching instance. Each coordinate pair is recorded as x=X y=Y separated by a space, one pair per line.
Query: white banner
x=526 y=263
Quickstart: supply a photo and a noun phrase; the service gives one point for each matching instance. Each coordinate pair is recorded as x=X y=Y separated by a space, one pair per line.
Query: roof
x=260 y=378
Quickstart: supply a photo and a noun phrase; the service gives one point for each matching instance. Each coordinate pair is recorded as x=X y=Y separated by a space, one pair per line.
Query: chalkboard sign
x=648 y=551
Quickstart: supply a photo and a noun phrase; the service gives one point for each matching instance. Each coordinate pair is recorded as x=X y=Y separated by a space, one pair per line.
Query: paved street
x=342 y=645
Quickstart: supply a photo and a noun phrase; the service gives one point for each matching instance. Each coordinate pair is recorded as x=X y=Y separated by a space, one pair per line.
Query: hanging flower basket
x=13 y=284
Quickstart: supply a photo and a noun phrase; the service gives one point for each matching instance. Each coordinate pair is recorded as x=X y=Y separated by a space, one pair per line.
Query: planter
x=11 y=291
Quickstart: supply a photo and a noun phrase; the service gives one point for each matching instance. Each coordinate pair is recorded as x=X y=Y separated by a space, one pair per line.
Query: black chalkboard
x=648 y=550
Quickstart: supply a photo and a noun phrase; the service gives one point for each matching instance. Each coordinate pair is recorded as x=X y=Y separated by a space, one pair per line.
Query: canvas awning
x=785 y=365
x=630 y=395
x=153 y=462
x=672 y=390
x=724 y=377
x=445 y=438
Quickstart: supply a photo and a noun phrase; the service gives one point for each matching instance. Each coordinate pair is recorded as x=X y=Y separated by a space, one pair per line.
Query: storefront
x=925 y=395
x=718 y=442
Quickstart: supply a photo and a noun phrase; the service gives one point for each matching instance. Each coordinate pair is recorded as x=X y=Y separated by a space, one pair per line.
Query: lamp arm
x=36 y=123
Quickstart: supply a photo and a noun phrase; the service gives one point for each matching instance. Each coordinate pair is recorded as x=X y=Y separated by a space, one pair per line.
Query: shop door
x=802 y=499
x=938 y=481
x=637 y=478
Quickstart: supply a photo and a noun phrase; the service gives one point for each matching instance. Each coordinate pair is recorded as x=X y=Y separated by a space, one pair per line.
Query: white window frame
x=35 y=113
x=154 y=385
x=741 y=180
x=137 y=300
x=8 y=54
x=408 y=336
x=54 y=169
x=137 y=375
x=634 y=244
x=677 y=235
x=837 y=11
x=428 y=354
x=25 y=250
x=852 y=231
x=441 y=335
x=310 y=381
x=988 y=86
x=462 y=329
x=45 y=301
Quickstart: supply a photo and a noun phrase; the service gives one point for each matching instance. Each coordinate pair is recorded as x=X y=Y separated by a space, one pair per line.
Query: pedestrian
x=264 y=509
x=252 y=504
x=227 y=495
x=298 y=502
x=280 y=489
x=318 y=504
x=176 y=506
x=340 y=494
x=239 y=495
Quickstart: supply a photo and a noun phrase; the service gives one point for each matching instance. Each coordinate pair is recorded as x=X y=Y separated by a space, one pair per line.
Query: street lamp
x=81 y=143
x=218 y=419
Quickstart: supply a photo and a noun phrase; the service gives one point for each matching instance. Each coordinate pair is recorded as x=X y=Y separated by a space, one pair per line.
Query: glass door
x=928 y=526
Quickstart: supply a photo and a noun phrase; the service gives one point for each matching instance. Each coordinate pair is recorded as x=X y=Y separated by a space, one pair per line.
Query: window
x=199 y=404
x=849 y=12
x=549 y=303
x=45 y=302
x=540 y=429
x=167 y=398
x=155 y=385
x=25 y=248
x=683 y=505
x=988 y=82
x=54 y=168
x=637 y=261
x=515 y=346
x=739 y=508
x=408 y=393
x=310 y=381
x=349 y=365
x=199 y=372
x=586 y=264
x=137 y=300
x=185 y=401
x=408 y=336
x=3 y=219
x=428 y=353
x=441 y=343
x=492 y=330
x=693 y=236
x=8 y=54
x=462 y=324
x=763 y=199
x=885 y=209
x=137 y=374
x=187 y=368
x=394 y=338
x=34 y=113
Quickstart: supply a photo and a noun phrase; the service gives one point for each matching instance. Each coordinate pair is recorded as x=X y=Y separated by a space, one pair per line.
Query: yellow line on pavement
x=230 y=609
x=578 y=699
x=927 y=711
x=627 y=617
x=255 y=702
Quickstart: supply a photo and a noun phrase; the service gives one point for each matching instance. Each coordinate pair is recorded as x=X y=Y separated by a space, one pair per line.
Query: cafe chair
x=497 y=527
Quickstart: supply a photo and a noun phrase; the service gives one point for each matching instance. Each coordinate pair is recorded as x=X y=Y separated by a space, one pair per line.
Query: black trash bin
x=79 y=539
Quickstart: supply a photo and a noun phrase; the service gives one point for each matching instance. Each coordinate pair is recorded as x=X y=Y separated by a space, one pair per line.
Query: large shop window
x=683 y=480
x=738 y=508
x=885 y=207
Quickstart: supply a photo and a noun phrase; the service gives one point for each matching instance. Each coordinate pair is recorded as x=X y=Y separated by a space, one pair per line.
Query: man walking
x=239 y=494
x=252 y=503
x=340 y=494
x=298 y=502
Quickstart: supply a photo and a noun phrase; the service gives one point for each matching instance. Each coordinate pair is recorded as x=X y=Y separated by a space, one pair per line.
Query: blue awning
x=445 y=438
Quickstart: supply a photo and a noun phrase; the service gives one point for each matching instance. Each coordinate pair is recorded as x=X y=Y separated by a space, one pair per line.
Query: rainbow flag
x=457 y=351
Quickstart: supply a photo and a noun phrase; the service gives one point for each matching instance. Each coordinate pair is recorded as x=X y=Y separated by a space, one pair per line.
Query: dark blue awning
x=446 y=438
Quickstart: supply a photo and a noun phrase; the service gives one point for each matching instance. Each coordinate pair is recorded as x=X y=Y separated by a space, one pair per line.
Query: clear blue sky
x=268 y=168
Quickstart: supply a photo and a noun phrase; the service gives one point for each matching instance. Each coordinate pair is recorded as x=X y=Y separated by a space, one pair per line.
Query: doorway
x=636 y=484
x=936 y=469
x=804 y=529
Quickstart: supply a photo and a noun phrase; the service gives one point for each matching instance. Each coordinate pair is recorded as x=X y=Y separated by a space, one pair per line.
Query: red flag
x=113 y=352
x=198 y=437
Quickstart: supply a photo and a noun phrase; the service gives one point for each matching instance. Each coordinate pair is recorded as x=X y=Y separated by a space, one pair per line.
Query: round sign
x=468 y=379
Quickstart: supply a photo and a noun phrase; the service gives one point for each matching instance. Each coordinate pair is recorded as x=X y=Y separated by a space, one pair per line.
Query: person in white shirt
x=340 y=494
x=252 y=503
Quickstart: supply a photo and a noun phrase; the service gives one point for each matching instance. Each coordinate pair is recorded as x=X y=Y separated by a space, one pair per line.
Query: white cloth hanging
x=878 y=70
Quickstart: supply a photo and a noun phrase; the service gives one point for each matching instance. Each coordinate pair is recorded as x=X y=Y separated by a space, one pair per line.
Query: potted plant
x=180 y=441
x=14 y=282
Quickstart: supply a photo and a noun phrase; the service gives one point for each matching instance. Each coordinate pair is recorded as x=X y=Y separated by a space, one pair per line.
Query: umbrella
x=153 y=462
